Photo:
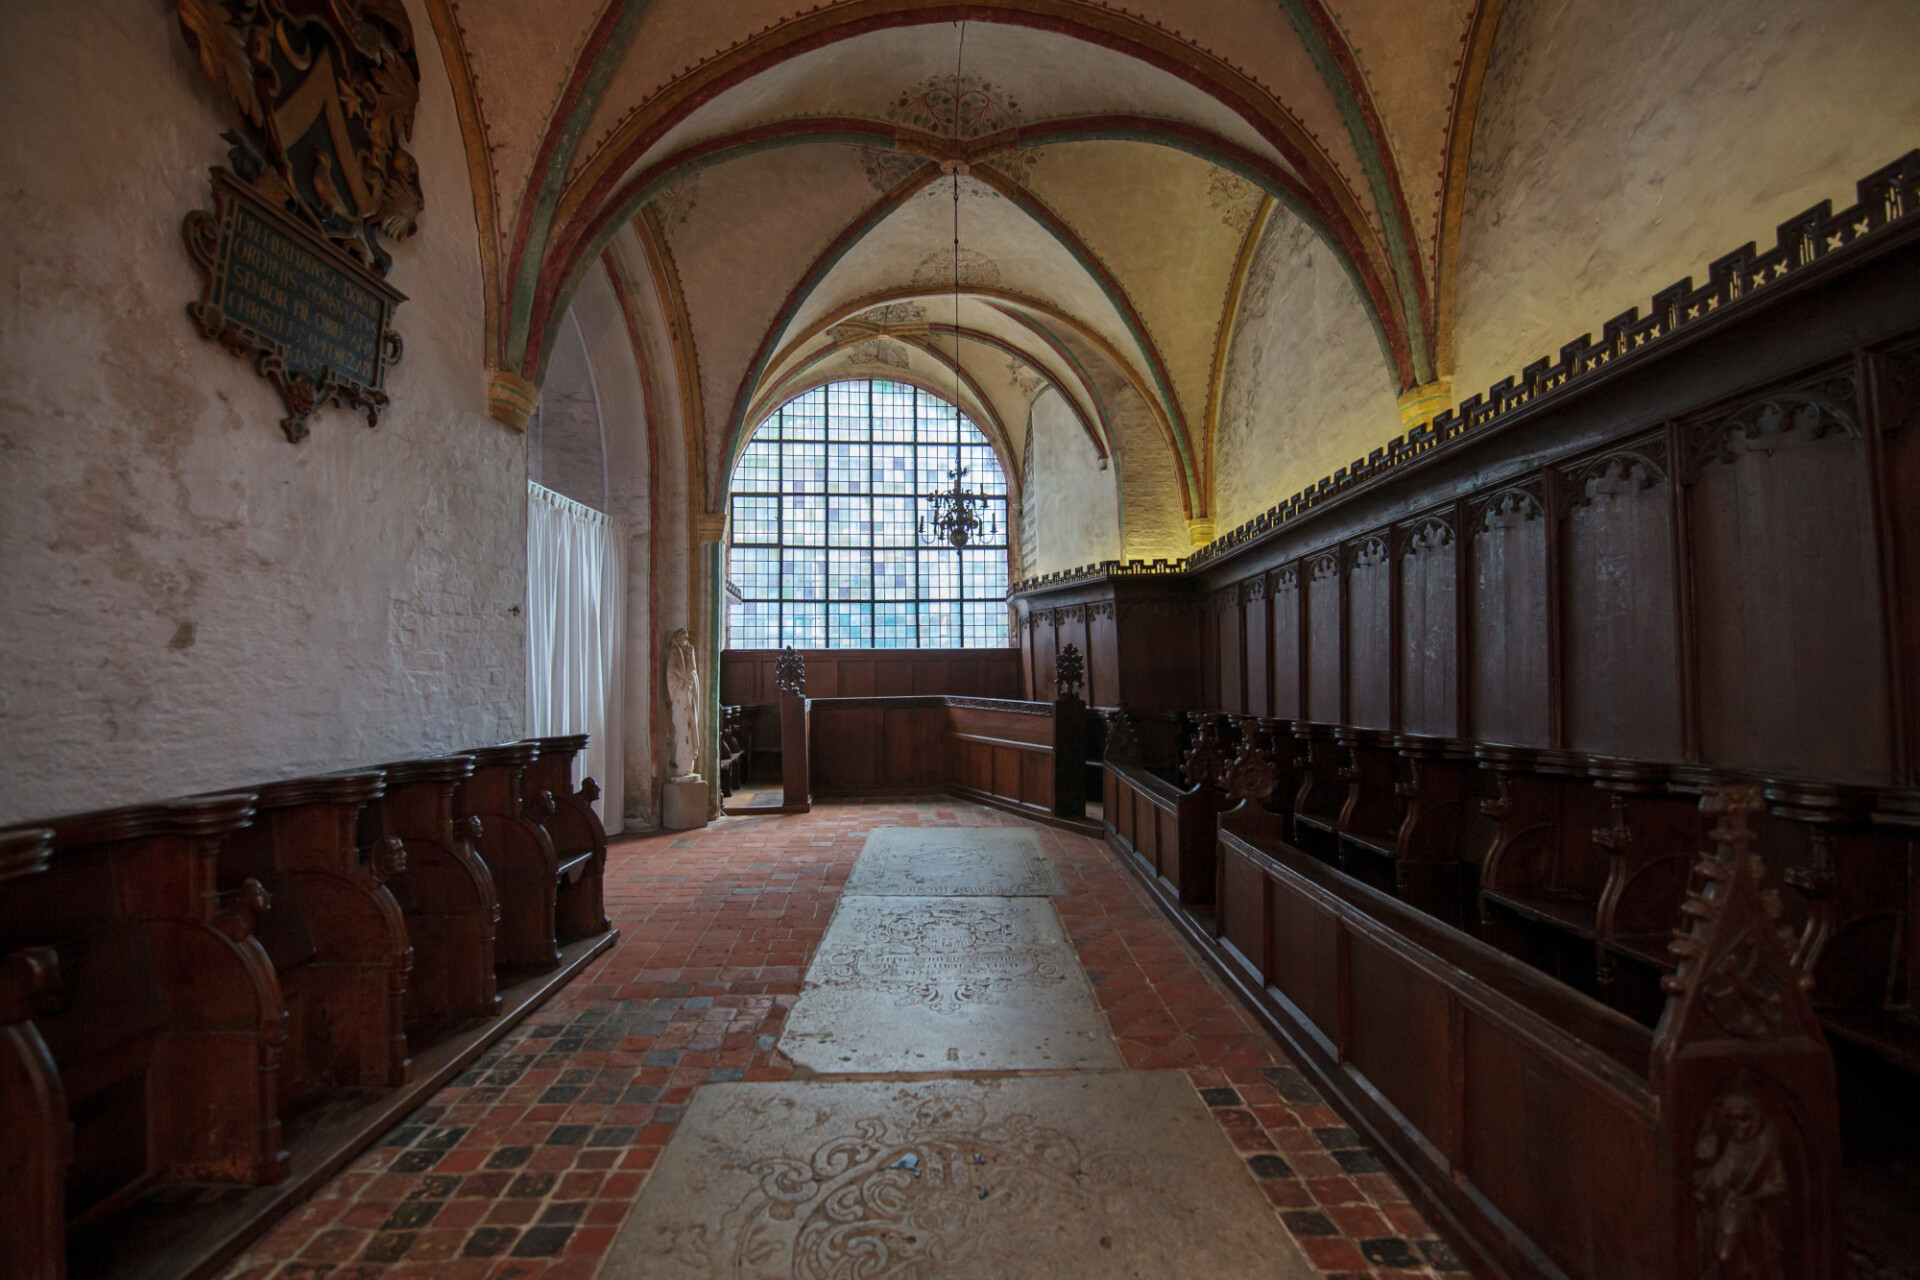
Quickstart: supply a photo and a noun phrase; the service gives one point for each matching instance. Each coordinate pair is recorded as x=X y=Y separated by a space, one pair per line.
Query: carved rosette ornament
x=790 y=671
x=293 y=252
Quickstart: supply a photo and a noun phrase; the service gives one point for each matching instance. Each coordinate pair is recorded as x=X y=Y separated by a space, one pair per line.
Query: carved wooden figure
x=445 y=892
x=579 y=837
x=36 y=1137
x=1745 y=1078
x=517 y=850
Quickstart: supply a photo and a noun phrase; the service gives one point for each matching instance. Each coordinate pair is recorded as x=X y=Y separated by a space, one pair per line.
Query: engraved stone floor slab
x=960 y=862
x=1116 y=1174
x=946 y=984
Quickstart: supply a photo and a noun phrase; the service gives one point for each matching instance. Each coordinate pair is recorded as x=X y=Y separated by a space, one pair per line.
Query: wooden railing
x=996 y=750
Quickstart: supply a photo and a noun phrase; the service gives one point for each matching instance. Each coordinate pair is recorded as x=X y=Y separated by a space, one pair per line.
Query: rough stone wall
x=1619 y=147
x=1070 y=502
x=1307 y=388
x=187 y=601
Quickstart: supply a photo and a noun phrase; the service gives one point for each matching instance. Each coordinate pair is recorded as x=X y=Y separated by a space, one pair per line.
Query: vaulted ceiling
x=788 y=172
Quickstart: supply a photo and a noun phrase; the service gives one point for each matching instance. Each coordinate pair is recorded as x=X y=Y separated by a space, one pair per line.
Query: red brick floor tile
x=568 y=1112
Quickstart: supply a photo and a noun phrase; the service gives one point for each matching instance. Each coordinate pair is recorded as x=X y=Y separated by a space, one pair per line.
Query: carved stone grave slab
x=946 y=984
x=1112 y=1174
x=960 y=862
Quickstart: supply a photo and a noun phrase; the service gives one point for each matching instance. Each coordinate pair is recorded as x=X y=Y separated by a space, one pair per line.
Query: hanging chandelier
x=959 y=514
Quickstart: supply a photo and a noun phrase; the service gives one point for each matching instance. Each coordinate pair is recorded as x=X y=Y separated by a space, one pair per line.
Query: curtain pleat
x=576 y=635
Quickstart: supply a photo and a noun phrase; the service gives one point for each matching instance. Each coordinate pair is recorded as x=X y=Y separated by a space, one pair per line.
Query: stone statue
x=683 y=700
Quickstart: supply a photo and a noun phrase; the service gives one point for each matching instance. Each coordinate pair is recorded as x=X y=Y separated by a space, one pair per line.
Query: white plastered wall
x=1073 y=502
x=1307 y=388
x=1619 y=147
x=187 y=601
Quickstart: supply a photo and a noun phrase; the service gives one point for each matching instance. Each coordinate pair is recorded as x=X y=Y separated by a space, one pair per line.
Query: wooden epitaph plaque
x=315 y=322
x=318 y=182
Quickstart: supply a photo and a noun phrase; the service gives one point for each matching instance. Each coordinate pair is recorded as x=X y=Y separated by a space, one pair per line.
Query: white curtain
x=576 y=635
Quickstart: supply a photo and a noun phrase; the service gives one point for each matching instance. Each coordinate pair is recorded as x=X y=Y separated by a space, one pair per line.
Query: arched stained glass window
x=827 y=504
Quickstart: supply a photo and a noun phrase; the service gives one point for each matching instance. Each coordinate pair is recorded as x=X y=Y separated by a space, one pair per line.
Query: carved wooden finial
x=1732 y=965
x=1069 y=672
x=790 y=671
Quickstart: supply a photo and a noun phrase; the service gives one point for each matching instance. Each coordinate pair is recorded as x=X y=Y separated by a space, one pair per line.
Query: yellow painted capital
x=1425 y=402
x=710 y=526
x=1200 y=532
x=511 y=399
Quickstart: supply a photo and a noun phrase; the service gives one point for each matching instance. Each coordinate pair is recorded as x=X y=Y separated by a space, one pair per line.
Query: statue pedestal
x=683 y=803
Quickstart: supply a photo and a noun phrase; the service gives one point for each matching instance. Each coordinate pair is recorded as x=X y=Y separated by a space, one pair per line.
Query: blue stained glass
x=819 y=562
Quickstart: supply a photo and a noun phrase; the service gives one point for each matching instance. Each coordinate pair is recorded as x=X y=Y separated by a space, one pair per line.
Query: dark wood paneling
x=747 y=677
x=1370 y=633
x=1621 y=627
x=1429 y=626
x=1103 y=655
x=1507 y=615
x=1230 y=648
x=1792 y=666
x=1325 y=635
x=1289 y=699
x=1258 y=612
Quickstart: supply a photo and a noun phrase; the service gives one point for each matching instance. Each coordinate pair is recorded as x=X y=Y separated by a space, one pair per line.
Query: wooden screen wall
x=746 y=675
x=1737 y=585
x=994 y=749
x=1139 y=642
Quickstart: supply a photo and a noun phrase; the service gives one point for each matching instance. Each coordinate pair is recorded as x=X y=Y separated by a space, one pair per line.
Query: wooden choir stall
x=210 y=1004
x=1549 y=782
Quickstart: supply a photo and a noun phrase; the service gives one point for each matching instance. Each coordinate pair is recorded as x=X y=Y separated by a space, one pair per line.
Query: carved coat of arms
x=319 y=180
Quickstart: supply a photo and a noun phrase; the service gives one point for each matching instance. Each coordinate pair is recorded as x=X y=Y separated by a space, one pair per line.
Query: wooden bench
x=167 y=1024
x=1557 y=1133
x=36 y=1140
x=514 y=844
x=335 y=935
x=445 y=892
x=201 y=997
x=579 y=838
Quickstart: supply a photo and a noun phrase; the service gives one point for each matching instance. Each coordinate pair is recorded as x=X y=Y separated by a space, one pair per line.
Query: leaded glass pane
x=850 y=626
x=803 y=574
x=939 y=575
x=849 y=522
x=756 y=520
x=803 y=519
x=893 y=575
x=940 y=624
x=828 y=501
x=804 y=626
